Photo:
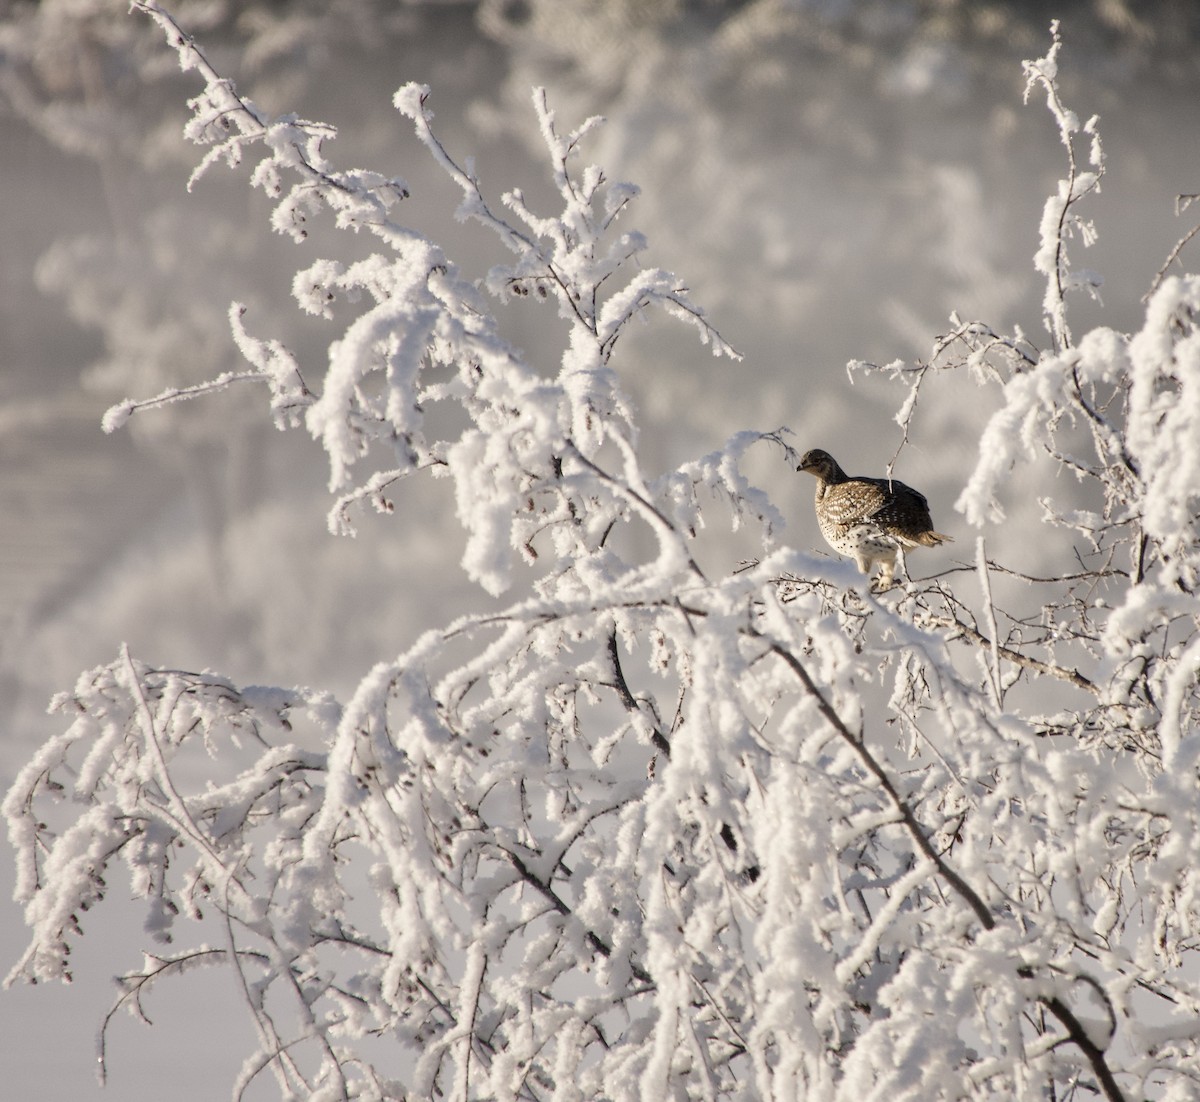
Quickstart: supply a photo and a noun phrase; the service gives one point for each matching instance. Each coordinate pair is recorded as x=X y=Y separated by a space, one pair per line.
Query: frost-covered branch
x=1059 y=220
x=1182 y=202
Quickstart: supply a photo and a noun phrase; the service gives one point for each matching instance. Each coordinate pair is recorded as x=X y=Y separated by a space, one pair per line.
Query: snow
x=642 y=826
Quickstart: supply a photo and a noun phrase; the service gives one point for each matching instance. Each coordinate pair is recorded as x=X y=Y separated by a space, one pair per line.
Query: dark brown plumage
x=869 y=519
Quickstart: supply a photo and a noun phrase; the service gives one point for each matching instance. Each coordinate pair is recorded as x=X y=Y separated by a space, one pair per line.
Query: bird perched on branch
x=869 y=519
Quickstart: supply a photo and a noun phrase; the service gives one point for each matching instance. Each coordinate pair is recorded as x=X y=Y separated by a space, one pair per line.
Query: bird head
x=819 y=463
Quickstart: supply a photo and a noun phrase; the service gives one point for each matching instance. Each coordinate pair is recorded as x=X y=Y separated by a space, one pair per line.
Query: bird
x=869 y=519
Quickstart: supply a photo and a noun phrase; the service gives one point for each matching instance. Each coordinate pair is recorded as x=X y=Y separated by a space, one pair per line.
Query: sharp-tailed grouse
x=869 y=519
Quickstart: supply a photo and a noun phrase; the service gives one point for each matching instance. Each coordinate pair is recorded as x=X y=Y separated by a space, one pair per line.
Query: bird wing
x=901 y=508
x=853 y=501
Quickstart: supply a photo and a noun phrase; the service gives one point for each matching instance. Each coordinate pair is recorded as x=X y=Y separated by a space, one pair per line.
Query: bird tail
x=932 y=539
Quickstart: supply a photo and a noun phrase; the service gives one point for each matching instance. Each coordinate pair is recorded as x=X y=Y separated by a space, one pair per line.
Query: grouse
x=869 y=519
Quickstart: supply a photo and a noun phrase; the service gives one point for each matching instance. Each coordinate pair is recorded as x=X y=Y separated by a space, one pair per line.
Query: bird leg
x=867 y=561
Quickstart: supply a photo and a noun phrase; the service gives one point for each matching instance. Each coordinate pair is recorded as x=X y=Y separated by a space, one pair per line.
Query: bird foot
x=884 y=580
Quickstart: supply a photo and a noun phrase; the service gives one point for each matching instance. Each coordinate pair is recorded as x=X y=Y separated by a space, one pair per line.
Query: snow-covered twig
x=1059 y=220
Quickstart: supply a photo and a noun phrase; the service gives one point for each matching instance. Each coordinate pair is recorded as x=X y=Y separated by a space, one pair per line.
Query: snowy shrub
x=633 y=830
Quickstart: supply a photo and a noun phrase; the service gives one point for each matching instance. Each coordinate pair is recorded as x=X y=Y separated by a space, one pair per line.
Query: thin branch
x=1161 y=274
x=117 y=415
x=914 y=829
x=989 y=609
x=1093 y=1053
x=593 y=939
x=628 y=700
x=1017 y=658
x=1083 y=1041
